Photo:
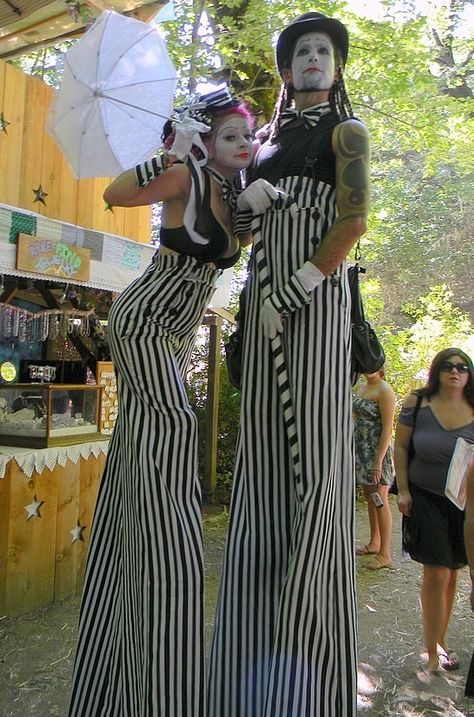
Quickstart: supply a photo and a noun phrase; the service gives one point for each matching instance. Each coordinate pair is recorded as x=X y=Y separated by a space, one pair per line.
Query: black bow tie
x=310 y=117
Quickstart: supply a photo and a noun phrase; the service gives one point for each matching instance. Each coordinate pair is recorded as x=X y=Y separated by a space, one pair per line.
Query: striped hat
x=208 y=103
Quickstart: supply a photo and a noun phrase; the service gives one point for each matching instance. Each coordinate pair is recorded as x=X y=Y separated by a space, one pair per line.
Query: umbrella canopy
x=116 y=93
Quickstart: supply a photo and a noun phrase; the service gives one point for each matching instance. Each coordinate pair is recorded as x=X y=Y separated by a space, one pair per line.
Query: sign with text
x=54 y=258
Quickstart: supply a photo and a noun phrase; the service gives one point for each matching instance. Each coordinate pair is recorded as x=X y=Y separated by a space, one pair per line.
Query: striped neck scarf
x=310 y=116
x=230 y=191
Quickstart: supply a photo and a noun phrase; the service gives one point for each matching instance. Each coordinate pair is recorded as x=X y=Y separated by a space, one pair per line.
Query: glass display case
x=42 y=415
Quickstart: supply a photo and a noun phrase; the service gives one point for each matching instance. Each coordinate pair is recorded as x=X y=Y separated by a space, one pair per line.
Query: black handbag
x=367 y=354
x=233 y=347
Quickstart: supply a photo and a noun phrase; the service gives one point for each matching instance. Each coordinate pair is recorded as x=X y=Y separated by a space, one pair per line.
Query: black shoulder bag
x=233 y=347
x=411 y=448
x=367 y=354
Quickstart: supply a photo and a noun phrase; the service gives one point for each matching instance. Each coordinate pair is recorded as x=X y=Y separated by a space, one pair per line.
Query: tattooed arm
x=351 y=146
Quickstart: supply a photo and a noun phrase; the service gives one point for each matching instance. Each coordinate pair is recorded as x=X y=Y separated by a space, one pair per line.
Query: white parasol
x=116 y=93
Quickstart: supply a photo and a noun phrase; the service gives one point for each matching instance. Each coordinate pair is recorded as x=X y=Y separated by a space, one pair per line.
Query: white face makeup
x=313 y=66
x=231 y=144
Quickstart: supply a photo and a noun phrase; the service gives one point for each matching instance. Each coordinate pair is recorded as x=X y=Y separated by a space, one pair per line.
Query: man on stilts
x=285 y=637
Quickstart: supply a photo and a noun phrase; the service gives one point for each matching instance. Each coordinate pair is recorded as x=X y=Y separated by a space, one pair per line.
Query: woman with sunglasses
x=432 y=526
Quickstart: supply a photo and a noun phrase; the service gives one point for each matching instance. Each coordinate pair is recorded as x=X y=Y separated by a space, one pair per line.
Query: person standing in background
x=432 y=526
x=374 y=412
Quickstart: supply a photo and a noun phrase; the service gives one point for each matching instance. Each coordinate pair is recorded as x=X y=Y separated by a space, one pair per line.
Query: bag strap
x=289 y=420
x=419 y=399
x=309 y=140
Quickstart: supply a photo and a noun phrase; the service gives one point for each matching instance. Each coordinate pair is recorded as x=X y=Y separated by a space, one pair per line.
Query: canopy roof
x=28 y=25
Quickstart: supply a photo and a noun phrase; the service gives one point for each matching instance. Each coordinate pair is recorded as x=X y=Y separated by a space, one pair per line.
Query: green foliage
x=436 y=323
x=229 y=403
x=46 y=64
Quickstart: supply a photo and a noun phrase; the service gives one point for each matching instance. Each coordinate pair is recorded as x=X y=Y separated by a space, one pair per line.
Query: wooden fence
x=29 y=158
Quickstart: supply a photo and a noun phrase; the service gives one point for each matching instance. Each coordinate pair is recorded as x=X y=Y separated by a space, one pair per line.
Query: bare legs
x=437 y=597
x=380 y=522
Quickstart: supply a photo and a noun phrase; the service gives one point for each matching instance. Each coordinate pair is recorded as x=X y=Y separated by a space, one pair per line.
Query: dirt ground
x=36 y=650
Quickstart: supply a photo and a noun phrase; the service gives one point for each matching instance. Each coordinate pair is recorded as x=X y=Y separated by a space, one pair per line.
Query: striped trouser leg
x=284 y=642
x=140 y=649
x=145 y=577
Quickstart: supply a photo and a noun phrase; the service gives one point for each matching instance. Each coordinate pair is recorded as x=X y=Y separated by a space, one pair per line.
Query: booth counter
x=47 y=499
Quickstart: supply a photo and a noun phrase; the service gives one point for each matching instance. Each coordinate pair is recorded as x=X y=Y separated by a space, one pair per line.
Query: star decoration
x=77 y=532
x=108 y=208
x=3 y=123
x=33 y=508
x=39 y=195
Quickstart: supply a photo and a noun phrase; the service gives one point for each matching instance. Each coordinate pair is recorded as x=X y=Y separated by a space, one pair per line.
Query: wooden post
x=212 y=409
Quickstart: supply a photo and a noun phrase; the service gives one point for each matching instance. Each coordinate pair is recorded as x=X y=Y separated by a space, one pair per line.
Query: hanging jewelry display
x=34 y=329
x=53 y=327
x=24 y=325
x=22 y=329
x=85 y=329
x=7 y=322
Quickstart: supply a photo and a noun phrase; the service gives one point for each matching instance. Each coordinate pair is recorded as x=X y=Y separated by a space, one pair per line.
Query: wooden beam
x=26 y=50
x=146 y=12
x=98 y=4
x=34 y=25
x=224 y=314
x=212 y=410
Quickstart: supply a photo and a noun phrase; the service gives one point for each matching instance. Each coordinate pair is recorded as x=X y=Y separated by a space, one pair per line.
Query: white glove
x=309 y=276
x=186 y=134
x=295 y=294
x=271 y=319
x=258 y=196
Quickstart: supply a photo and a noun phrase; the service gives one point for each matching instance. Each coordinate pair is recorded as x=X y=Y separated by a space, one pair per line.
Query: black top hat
x=311 y=22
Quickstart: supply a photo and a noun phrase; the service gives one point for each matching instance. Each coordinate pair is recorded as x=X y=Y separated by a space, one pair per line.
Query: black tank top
x=207 y=226
x=287 y=156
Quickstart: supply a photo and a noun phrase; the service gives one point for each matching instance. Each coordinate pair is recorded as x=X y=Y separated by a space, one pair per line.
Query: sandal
x=364 y=550
x=448 y=660
x=377 y=563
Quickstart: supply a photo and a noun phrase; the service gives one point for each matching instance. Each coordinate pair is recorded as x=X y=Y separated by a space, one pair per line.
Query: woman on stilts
x=284 y=643
x=140 y=649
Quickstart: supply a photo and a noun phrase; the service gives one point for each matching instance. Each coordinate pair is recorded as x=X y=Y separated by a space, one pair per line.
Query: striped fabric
x=309 y=116
x=140 y=649
x=149 y=170
x=284 y=642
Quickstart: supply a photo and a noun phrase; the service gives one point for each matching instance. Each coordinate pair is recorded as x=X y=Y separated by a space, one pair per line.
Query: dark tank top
x=207 y=226
x=286 y=157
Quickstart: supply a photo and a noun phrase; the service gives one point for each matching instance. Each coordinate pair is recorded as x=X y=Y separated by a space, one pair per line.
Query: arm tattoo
x=352 y=170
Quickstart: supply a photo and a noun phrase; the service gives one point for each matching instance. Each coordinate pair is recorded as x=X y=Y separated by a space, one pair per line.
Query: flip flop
x=364 y=550
x=377 y=564
x=449 y=660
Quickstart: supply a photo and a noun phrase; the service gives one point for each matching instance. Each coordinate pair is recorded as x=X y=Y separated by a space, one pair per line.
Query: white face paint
x=313 y=66
x=230 y=145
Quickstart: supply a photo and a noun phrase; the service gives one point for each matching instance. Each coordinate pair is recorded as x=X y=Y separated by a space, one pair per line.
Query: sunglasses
x=447 y=367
